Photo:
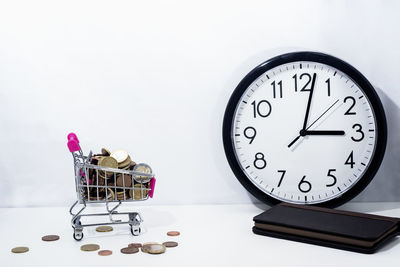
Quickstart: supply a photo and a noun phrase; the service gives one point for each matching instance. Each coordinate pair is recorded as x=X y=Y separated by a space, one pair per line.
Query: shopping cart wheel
x=135 y=230
x=78 y=235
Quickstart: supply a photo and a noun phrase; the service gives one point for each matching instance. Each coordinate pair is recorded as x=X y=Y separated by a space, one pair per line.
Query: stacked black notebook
x=346 y=230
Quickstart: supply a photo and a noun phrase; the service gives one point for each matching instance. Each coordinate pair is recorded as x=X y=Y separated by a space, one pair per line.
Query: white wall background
x=154 y=77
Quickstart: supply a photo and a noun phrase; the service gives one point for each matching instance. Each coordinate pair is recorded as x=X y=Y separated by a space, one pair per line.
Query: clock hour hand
x=324 y=132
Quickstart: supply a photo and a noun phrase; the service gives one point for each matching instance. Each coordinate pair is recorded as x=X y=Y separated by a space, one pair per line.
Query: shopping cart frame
x=83 y=184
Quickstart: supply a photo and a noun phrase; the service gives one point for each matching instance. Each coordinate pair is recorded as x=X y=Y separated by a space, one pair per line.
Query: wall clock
x=304 y=128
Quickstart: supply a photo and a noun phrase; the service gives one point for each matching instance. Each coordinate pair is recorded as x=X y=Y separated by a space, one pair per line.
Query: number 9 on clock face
x=304 y=128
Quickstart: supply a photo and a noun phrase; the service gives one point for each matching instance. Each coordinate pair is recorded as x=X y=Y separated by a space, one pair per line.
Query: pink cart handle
x=73 y=143
x=152 y=186
x=72 y=136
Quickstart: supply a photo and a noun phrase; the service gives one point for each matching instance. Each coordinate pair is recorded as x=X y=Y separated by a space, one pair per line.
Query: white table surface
x=211 y=235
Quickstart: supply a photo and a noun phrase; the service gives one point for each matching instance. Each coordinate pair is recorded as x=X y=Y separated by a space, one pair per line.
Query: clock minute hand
x=324 y=132
x=307 y=111
x=322 y=115
x=309 y=101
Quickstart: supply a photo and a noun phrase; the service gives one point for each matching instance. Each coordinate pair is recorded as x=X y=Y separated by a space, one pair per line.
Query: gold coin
x=119 y=155
x=143 y=168
x=139 y=192
x=109 y=162
x=50 y=237
x=155 y=249
x=105 y=152
x=145 y=246
x=121 y=195
x=90 y=247
x=104 y=228
x=20 y=250
x=125 y=163
x=110 y=194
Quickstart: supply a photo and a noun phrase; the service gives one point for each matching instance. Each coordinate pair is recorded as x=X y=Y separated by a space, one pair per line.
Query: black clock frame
x=355 y=75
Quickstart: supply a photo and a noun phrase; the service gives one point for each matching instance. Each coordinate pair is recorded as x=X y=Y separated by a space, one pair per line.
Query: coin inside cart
x=119 y=155
x=105 y=228
x=105 y=152
x=50 y=237
x=90 y=247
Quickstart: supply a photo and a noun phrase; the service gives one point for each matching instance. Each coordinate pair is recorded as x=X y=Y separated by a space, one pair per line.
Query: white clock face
x=298 y=156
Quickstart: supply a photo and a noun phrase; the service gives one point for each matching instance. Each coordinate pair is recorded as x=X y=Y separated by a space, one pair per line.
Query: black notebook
x=327 y=227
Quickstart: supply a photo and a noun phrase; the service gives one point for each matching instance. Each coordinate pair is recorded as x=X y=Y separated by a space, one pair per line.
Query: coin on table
x=104 y=252
x=135 y=245
x=119 y=155
x=170 y=244
x=105 y=152
x=155 y=249
x=104 y=228
x=125 y=163
x=173 y=233
x=146 y=246
x=90 y=247
x=50 y=237
x=20 y=250
x=129 y=250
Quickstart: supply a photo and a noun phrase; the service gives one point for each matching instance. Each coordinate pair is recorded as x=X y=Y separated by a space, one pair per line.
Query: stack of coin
x=112 y=185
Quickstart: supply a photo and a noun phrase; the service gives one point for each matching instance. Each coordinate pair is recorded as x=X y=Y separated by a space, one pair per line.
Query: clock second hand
x=304 y=132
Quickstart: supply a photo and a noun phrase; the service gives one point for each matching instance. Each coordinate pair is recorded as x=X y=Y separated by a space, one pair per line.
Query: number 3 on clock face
x=304 y=128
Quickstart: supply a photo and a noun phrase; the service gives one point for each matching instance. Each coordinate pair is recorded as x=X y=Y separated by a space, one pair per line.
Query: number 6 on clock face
x=304 y=128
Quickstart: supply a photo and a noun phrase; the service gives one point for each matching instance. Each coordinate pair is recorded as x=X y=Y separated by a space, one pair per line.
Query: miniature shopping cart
x=91 y=188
